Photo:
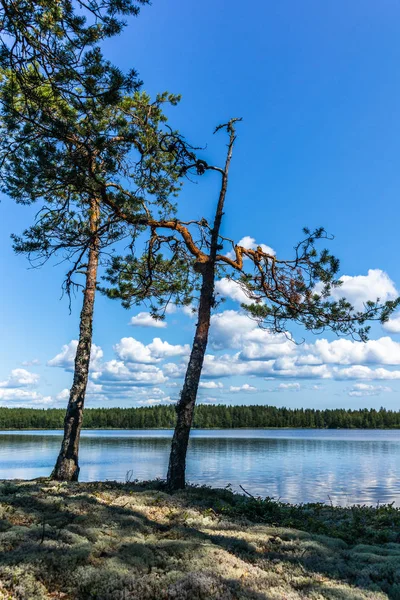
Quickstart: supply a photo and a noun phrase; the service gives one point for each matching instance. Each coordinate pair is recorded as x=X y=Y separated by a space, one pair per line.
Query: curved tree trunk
x=187 y=402
x=67 y=467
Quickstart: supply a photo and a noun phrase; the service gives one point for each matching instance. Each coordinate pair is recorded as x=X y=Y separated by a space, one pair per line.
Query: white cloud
x=262 y=353
x=21 y=397
x=144 y=319
x=65 y=359
x=250 y=243
x=287 y=367
x=153 y=401
x=190 y=310
x=131 y=350
x=243 y=388
x=229 y=327
x=161 y=349
x=63 y=395
x=129 y=374
x=230 y=289
x=363 y=389
x=233 y=329
x=93 y=388
x=292 y=387
x=260 y=344
x=359 y=289
x=31 y=363
x=176 y=371
x=20 y=378
x=362 y=372
x=393 y=324
x=208 y=400
x=346 y=352
x=211 y=385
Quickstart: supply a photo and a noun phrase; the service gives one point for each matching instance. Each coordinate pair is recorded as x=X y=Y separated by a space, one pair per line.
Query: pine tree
x=70 y=158
x=282 y=291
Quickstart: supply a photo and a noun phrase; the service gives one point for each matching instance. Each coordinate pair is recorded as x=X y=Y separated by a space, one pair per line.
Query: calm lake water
x=295 y=465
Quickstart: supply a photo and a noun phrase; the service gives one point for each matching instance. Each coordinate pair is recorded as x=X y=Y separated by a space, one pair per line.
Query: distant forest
x=218 y=417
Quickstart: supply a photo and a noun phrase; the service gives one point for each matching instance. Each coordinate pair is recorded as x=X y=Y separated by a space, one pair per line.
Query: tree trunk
x=187 y=401
x=67 y=468
x=186 y=404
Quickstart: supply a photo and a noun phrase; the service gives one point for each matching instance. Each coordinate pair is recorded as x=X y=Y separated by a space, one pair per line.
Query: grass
x=109 y=541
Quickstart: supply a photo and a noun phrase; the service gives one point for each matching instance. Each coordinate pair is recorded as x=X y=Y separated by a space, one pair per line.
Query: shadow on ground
x=109 y=541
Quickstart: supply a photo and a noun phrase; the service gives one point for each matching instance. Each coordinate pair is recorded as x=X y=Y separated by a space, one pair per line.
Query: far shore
x=210 y=429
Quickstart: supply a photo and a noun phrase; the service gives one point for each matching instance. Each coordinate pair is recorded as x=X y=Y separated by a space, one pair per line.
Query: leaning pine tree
x=86 y=152
x=280 y=292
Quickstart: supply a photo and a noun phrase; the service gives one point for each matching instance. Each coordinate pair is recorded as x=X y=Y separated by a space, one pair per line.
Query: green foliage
x=216 y=417
x=56 y=37
x=299 y=291
x=152 y=277
x=74 y=128
x=359 y=524
x=111 y=152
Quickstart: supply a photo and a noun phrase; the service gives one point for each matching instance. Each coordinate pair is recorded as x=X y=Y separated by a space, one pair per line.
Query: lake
x=295 y=465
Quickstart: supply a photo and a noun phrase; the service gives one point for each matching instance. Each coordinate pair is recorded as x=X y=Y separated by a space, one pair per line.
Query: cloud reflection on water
x=294 y=465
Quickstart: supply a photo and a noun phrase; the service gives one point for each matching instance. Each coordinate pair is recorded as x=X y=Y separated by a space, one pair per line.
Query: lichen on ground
x=109 y=541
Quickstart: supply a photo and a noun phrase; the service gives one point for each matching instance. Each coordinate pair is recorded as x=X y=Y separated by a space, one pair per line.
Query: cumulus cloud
x=393 y=324
x=20 y=378
x=65 y=359
x=363 y=389
x=359 y=289
x=190 y=310
x=346 y=352
x=131 y=350
x=22 y=397
x=31 y=363
x=154 y=401
x=243 y=388
x=262 y=353
x=362 y=372
x=250 y=243
x=291 y=387
x=211 y=385
x=162 y=350
x=287 y=367
x=234 y=329
x=227 y=288
x=63 y=395
x=94 y=388
x=208 y=400
x=129 y=373
x=229 y=327
x=15 y=390
x=144 y=319
x=174 y=370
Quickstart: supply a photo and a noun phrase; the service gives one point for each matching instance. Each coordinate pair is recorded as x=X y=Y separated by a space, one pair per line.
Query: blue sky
x=317 y=85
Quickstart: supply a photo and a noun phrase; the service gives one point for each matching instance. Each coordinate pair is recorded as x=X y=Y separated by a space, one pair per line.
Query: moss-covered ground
x=109 y=541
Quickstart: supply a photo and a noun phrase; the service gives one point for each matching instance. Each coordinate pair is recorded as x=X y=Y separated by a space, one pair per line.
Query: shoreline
x=211 y=429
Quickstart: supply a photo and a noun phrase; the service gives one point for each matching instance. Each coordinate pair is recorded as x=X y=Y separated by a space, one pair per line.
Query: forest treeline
x=219 y=417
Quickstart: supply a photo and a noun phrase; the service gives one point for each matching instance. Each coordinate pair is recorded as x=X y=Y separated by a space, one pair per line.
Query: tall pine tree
x=283 y=292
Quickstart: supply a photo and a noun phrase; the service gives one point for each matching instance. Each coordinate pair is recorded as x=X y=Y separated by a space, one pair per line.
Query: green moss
x=109 y=541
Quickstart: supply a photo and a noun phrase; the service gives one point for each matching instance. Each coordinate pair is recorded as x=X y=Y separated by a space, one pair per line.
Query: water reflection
x=294 y=465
